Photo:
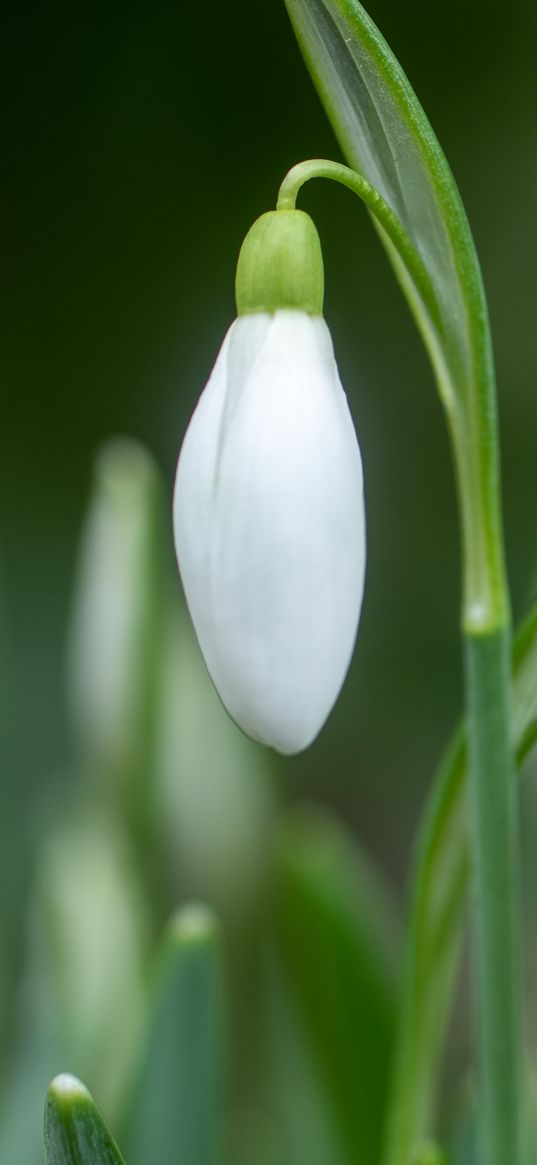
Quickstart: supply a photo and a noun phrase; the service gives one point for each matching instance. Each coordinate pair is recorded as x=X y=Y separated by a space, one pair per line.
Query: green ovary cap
x=281 y=265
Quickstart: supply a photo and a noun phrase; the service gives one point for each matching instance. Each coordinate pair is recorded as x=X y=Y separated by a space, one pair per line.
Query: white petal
x=270 y=529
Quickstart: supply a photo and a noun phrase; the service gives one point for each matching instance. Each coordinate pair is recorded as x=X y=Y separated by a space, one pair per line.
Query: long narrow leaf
x=175 y=1113
x=91 y=946
x=75 y=1132
x=428 y=1154
x=333 y=924
x=439 y=885
x=307 y=1119
x=386 y=137
x=116 y=629
x=32 y=1058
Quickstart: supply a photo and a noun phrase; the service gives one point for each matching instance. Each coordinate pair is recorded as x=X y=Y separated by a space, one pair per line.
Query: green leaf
x=116 y=628
x=309 y=1129
x=31 y=1058
x=333 y=925
x=386 y=137
x=175 y=1111
x=91 y=945
x=438 y=894
x=204 y=759
x=75 y=1132
x=428 y=1153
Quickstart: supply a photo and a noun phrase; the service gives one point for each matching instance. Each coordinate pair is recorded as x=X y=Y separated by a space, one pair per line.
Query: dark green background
x=142 y=140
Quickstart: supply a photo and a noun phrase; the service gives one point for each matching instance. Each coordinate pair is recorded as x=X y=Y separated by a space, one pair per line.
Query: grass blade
x=386 y=137
x=438 y=894
x=75 y=1132
x=175 y=1113
x=333 y=925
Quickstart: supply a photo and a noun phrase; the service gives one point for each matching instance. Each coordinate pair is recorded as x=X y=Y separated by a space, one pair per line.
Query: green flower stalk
x=472 y=422
x=238 y=483
x=389 y=143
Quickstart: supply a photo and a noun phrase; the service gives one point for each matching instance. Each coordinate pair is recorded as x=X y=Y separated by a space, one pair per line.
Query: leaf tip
x=65 y=1086
x=194 y=925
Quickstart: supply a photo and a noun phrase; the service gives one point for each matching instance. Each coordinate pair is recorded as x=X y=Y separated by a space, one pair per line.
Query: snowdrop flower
x=268 y=509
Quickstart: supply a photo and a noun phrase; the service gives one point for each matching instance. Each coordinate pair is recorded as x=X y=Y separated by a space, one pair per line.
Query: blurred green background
x=141 y=140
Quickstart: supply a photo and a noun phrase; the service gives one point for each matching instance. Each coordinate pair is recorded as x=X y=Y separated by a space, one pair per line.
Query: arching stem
x=471 y=414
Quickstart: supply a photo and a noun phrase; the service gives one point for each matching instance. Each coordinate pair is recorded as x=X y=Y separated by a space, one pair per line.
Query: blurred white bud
x=270 y=528
x=115 y=629
x=91 y=932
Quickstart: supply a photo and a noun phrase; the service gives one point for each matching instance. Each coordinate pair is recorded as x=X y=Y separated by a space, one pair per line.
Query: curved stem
x=468 y=393
x=324 y=168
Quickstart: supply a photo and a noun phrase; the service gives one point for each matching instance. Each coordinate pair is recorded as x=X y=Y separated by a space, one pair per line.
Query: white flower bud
x=270 y=529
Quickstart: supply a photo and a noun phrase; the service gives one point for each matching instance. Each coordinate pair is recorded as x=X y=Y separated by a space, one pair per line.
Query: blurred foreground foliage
x=222 y=971
x=265 y=1037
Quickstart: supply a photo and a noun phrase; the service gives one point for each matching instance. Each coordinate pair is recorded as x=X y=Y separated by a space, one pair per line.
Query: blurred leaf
x=525 y=686
x=91 y=926
x=116 y=634
x=6 y=825
x=333 y=926
x=438 y=893
x=206 y=761
x=32 y=1057
x=530 y=1114
x=463 y=1143
x=175 y=1111
x=75 y=1133
x=307 y=1121
x=428 y=1153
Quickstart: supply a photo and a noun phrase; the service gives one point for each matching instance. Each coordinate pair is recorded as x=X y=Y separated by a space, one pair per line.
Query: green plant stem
x=383 y=215
x=495 y=877
x=438 y=893
x=493 y=836
x=432 y=947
